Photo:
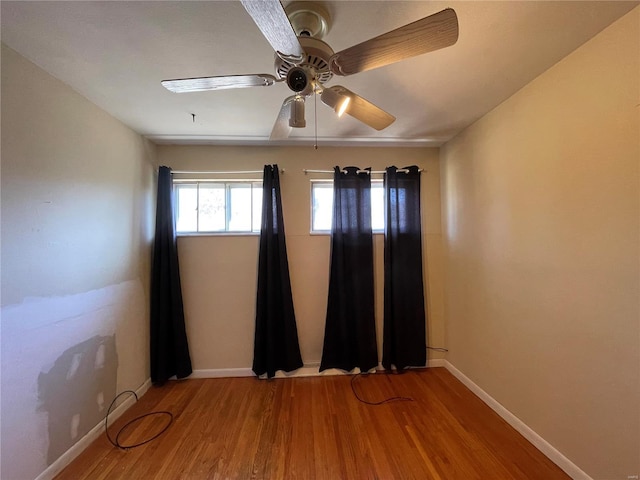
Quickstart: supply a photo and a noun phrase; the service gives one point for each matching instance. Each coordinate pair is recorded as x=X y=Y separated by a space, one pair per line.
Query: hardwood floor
x=315 y=428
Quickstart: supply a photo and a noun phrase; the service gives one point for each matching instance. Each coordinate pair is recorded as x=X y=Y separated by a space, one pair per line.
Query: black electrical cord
x=391 y=399
x=116 y=442
x=438 y=349
x=386 y=400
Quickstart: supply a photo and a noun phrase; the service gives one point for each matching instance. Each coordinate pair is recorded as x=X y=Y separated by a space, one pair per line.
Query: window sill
x=328 y=232
x=218 y=234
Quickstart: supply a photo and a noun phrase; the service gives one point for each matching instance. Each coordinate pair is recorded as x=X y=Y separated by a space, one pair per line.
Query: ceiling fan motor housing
x=315 y=61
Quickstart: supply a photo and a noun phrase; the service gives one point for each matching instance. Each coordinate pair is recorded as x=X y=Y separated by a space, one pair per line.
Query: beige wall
x=77 y=219
x=219 y=273
x=540 y=215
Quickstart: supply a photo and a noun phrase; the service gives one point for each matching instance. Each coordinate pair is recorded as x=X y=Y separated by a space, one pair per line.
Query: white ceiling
x=116 y=52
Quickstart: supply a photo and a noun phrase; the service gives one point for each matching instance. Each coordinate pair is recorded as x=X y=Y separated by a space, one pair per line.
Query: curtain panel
x=276 y=336
x=169 y=347
x=404 y=332
x=350 y=335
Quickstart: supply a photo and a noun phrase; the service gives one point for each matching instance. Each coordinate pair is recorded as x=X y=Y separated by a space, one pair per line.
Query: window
x=217 y=207
x=322 y=206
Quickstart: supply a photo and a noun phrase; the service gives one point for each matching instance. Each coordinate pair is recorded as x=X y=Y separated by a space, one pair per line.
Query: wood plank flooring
x=315 y=428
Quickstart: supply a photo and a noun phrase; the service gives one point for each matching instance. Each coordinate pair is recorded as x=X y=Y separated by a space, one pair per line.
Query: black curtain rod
x=229 y=172
x=400 y=170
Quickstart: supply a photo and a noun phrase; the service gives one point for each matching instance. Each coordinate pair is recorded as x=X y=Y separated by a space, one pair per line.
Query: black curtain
x=276 y=336
x=169 y=346
x=404 y=337
x=350 y=334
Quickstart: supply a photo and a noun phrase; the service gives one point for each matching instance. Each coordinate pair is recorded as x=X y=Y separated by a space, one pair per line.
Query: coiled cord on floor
x=386 y=400
x=116 y=442
x=391 y=399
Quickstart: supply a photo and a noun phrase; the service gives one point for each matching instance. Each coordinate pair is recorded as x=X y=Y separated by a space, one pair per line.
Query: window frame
x=314 y=181
x=252 y=182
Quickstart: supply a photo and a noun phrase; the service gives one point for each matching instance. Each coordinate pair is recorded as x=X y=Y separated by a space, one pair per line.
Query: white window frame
x=228 y=183
x=378 y=184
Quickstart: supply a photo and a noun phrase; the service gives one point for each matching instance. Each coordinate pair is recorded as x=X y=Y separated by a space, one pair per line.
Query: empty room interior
x=205 y=213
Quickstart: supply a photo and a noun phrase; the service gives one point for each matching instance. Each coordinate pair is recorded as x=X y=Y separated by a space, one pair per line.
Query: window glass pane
x=377 y=206
x=240 y=207
x=322 y=206
x=186 y=198
x=211 y=210
x=257 y=207
x=218 y=207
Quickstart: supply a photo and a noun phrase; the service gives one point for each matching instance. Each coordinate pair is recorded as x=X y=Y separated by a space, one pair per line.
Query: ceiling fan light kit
x=335 y=100
x=296 y=118
x=305 y=62
x=301 y=80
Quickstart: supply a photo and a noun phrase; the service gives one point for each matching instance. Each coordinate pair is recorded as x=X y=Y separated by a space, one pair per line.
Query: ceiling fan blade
x=274 y=24
x=431 y=33
x=365 y=111
x=203 y=84
x=281 y=129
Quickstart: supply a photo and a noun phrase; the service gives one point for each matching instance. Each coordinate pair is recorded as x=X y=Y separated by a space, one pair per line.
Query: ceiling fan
x=307 y=63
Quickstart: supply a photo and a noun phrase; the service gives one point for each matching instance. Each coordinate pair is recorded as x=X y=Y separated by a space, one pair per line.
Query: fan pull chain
x=315 y=118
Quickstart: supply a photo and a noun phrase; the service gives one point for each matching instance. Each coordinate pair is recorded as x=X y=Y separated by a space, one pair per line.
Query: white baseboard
x=67 y=457
x=221 y=373
x=305 y=371
x=308 y=370
x=540 y=443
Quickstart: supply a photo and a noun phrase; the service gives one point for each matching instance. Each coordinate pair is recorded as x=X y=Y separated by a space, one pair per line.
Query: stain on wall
x=76 y=391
